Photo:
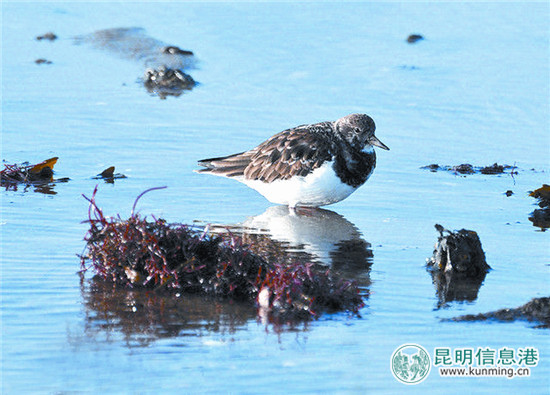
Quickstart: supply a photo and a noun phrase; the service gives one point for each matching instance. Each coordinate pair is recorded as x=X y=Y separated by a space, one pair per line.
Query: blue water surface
x=475 y=90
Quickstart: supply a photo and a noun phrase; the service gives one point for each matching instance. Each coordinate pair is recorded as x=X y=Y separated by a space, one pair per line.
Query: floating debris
x=467 y=168
x=42 y=61
x=543 y=195
x=509 y=193
x=541 y=217
x=48 y=36
x=536 y=310
x=109 y=175
x=164 y=64
x=433 y=167
x=495 y=168
x=138 y=253
x=176 y=51
x=458 y=265
x=165 y=82
x=413 y=38
x=38 y=175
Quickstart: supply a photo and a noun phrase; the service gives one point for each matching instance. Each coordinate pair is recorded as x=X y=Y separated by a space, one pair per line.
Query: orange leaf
x=542 y=192
x=47 y=163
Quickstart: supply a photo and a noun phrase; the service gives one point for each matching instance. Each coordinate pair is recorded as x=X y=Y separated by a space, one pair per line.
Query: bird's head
x=358 y=130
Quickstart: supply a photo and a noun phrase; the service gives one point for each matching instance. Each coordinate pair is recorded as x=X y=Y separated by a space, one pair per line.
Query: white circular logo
x=410 y=363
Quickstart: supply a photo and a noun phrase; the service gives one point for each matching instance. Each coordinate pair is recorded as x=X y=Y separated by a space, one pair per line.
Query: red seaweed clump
x=136 y=252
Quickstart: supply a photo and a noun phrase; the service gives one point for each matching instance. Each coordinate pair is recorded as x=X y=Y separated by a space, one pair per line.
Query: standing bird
x=308 y=165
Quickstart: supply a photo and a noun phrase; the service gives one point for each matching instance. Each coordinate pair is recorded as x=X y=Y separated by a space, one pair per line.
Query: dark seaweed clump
x=466 y=168
x=135 y=252
x=164 y=81
x=39 y=175
x=538 y=310
x=14 y=174
x=541 y=217
x=173 y=50
x=165 y=64
x=48 y=36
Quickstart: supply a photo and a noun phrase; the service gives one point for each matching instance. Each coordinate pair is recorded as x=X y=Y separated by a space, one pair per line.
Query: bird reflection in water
x=310 y=235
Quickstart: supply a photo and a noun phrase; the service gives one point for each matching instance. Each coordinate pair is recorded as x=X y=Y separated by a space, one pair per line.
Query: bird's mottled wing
x=293 y=152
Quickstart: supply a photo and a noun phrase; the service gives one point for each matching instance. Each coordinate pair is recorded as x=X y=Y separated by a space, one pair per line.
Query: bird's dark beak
x=374 y=141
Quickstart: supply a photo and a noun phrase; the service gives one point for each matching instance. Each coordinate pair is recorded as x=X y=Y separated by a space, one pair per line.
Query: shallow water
x=475 y=91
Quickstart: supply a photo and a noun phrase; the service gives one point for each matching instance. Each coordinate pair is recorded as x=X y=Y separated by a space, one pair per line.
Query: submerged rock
x=458 y=252
x=458 y=265
x=538 y=310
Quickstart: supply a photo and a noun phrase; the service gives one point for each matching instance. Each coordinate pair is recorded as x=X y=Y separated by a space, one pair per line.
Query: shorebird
x=308 y=165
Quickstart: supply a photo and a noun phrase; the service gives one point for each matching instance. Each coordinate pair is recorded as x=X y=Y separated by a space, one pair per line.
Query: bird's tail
x=226 y=166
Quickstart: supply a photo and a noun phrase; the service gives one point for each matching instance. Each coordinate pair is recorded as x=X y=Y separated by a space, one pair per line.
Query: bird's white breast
x=319 y=188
